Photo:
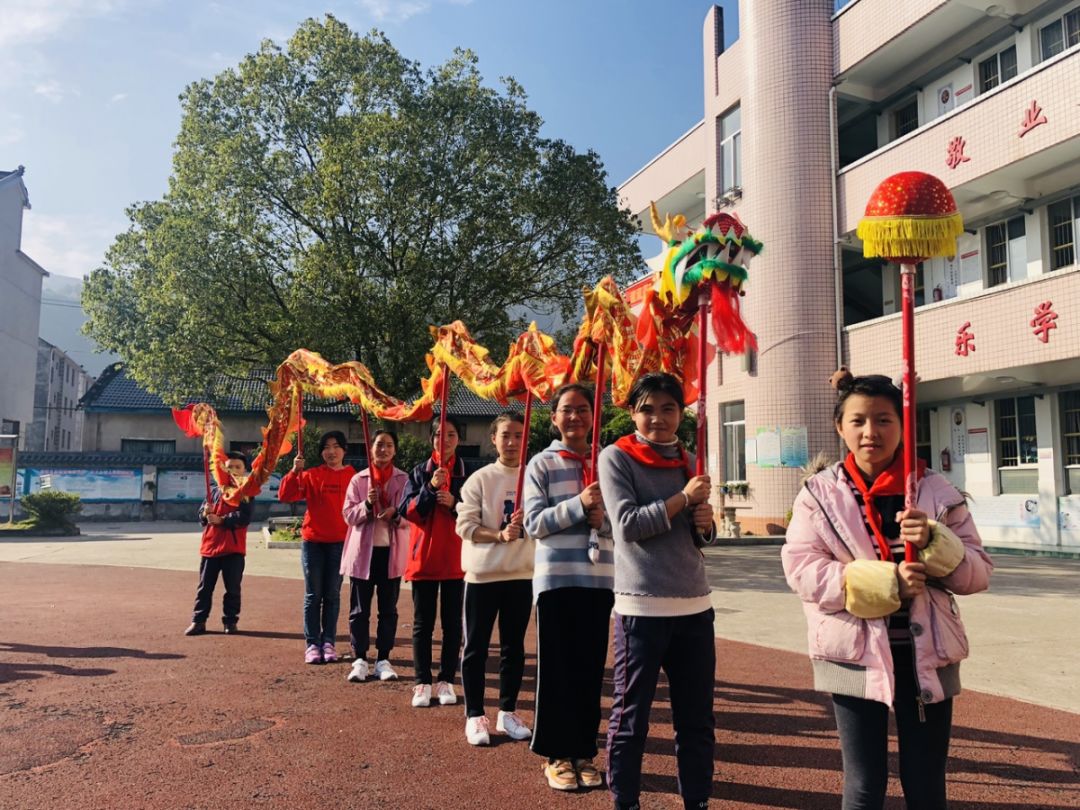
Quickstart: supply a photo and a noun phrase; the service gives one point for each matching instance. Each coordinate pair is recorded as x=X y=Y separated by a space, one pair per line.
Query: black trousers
x=864 y=744
x=511 y=603
x=572 y=629
x=425 y=594
x=231 y=568
x=685 y=648
x=360 y=593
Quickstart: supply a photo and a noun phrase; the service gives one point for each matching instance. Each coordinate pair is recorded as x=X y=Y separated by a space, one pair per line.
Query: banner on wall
x=179 y=486
x=90 y=485
x=7 y=471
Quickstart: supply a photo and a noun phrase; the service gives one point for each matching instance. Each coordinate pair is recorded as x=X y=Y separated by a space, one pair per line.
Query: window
x=998 y=69
x=1006 y=252
x=920 y=284
x=1018 y=446
x=1070 y=439
x=1063 y=228
x=1062 y=33
x=733 y=422
x=906 y=118
x=56 y=438
x=731 y=150
x=154 y=447
x=922 y=436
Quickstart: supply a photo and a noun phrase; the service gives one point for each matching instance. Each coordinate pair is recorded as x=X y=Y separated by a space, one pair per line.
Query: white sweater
x=487 y=498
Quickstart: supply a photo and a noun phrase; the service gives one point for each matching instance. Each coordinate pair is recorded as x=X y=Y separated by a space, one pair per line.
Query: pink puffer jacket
x=827 y=532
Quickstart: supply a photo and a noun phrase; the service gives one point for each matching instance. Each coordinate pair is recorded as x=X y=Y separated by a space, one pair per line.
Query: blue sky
x=89 y=87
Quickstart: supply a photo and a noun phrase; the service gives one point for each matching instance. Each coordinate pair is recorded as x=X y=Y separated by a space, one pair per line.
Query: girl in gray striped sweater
x=574 y=596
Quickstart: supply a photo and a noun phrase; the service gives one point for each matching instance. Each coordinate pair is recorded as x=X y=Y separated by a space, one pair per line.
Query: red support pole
x=370 y=461
x=907 y=298
x=524 y=451
x=299 y=422
x=601 y=352
x=444 y=401
x=206 y=468
x=702 y=400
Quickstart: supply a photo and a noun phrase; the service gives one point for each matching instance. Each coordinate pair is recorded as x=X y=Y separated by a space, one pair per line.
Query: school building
x=803 y=116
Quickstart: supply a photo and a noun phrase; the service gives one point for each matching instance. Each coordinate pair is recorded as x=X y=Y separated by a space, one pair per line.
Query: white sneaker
x=385 y=672
x=359 y=671
x=478 y=731
x=421 y=695
x=510 y=725
x=446 y=694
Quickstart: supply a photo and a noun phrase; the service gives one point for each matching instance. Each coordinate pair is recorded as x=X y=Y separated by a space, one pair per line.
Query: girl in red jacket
x=434 y=564
x=224 y=544
x=323 y=537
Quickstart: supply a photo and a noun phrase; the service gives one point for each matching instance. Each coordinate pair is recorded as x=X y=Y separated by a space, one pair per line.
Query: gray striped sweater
x=555 y=518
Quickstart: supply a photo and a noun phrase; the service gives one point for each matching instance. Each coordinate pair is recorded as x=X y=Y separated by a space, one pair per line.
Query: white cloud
x=394 y=10
x=53 y=90
x=117 y=98
x=30 y=21
x=68 y=245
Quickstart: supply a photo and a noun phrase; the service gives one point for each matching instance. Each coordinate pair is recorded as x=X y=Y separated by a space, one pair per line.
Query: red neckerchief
x=451 y=462
x=380 y=477
x=890 y=481
x=648 y=456
x=587 y=476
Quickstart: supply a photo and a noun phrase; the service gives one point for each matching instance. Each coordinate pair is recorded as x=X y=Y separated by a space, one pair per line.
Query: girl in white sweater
x=497 y=559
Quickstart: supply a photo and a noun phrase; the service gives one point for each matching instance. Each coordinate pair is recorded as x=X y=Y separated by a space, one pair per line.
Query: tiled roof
x=115 y=391
x=174 y=461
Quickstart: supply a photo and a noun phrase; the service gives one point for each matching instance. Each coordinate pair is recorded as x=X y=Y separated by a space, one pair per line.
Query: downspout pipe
x=838 y=273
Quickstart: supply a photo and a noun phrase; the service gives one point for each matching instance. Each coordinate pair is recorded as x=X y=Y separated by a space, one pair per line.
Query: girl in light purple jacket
x=376 y=548
x=884 y=632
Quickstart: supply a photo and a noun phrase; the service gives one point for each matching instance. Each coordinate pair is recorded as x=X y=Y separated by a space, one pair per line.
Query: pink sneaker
x=329 y=653
x=313 y=655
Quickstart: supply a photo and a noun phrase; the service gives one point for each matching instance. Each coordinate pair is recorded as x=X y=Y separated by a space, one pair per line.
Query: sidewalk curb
x=1014 y=551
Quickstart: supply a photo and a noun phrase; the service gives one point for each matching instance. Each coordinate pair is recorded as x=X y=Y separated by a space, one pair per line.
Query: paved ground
x=106 y=705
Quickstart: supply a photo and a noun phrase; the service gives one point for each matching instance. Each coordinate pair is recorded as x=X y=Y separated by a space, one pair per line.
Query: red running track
x=105 y=704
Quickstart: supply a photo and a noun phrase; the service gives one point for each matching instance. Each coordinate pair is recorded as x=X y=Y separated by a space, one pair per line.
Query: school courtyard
x=105 y=704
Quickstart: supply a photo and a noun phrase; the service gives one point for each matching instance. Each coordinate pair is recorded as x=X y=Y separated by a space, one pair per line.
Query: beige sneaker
x=587 y=774
x=561 y=775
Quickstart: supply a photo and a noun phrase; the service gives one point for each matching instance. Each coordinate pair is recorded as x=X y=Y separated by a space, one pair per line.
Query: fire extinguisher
x=946 y=460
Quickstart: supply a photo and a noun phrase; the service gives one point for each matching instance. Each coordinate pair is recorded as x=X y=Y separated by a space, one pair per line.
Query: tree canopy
x=333 y=195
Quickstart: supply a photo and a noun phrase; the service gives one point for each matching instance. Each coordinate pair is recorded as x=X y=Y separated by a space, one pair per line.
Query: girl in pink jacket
x=884 y=632
x=376 y=548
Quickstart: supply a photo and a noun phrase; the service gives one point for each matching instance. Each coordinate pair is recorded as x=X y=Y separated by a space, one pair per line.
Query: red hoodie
x=324 y=490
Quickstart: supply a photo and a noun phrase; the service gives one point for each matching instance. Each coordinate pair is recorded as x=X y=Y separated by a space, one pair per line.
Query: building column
x=788 y=205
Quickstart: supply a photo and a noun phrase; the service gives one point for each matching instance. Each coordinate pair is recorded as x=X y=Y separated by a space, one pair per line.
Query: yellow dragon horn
x=669 y=230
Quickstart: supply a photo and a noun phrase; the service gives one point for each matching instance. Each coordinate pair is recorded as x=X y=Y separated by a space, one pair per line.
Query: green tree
x=333 y=195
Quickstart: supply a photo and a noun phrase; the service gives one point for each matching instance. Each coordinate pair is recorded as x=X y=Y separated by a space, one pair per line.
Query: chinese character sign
x=965 y=340
x=954 y=155
x=1033 y=117
x=1044 y=320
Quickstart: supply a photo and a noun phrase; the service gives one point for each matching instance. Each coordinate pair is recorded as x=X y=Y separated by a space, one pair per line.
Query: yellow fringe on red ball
x=910 y=236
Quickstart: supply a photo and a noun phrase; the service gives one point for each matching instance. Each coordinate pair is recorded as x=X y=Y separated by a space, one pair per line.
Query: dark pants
x=685 y=648
x=231 y=568
x=864 y=744
x=360 y=592
x=322 y=590
x=511 y=602
x=572 y=628
x=425 y=594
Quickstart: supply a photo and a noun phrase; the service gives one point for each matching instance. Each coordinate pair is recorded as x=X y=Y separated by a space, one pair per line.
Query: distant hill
x=62 y=318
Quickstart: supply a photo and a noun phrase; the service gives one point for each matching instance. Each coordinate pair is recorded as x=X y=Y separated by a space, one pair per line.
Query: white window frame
x=1070 y=471
x=1020 y=464
x=733 y=433
x=1073 y=224
x=1012 y=273
x=730 y=152
x=1068 y=23
x=999 y=77
x=894 y=129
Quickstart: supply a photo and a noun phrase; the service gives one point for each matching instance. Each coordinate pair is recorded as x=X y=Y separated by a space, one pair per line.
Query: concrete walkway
x=1023 y=632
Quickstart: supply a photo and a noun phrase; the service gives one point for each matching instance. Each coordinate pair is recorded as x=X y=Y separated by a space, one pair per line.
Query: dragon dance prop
x=911 y=217
x=703 y=274
x=608 y=345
